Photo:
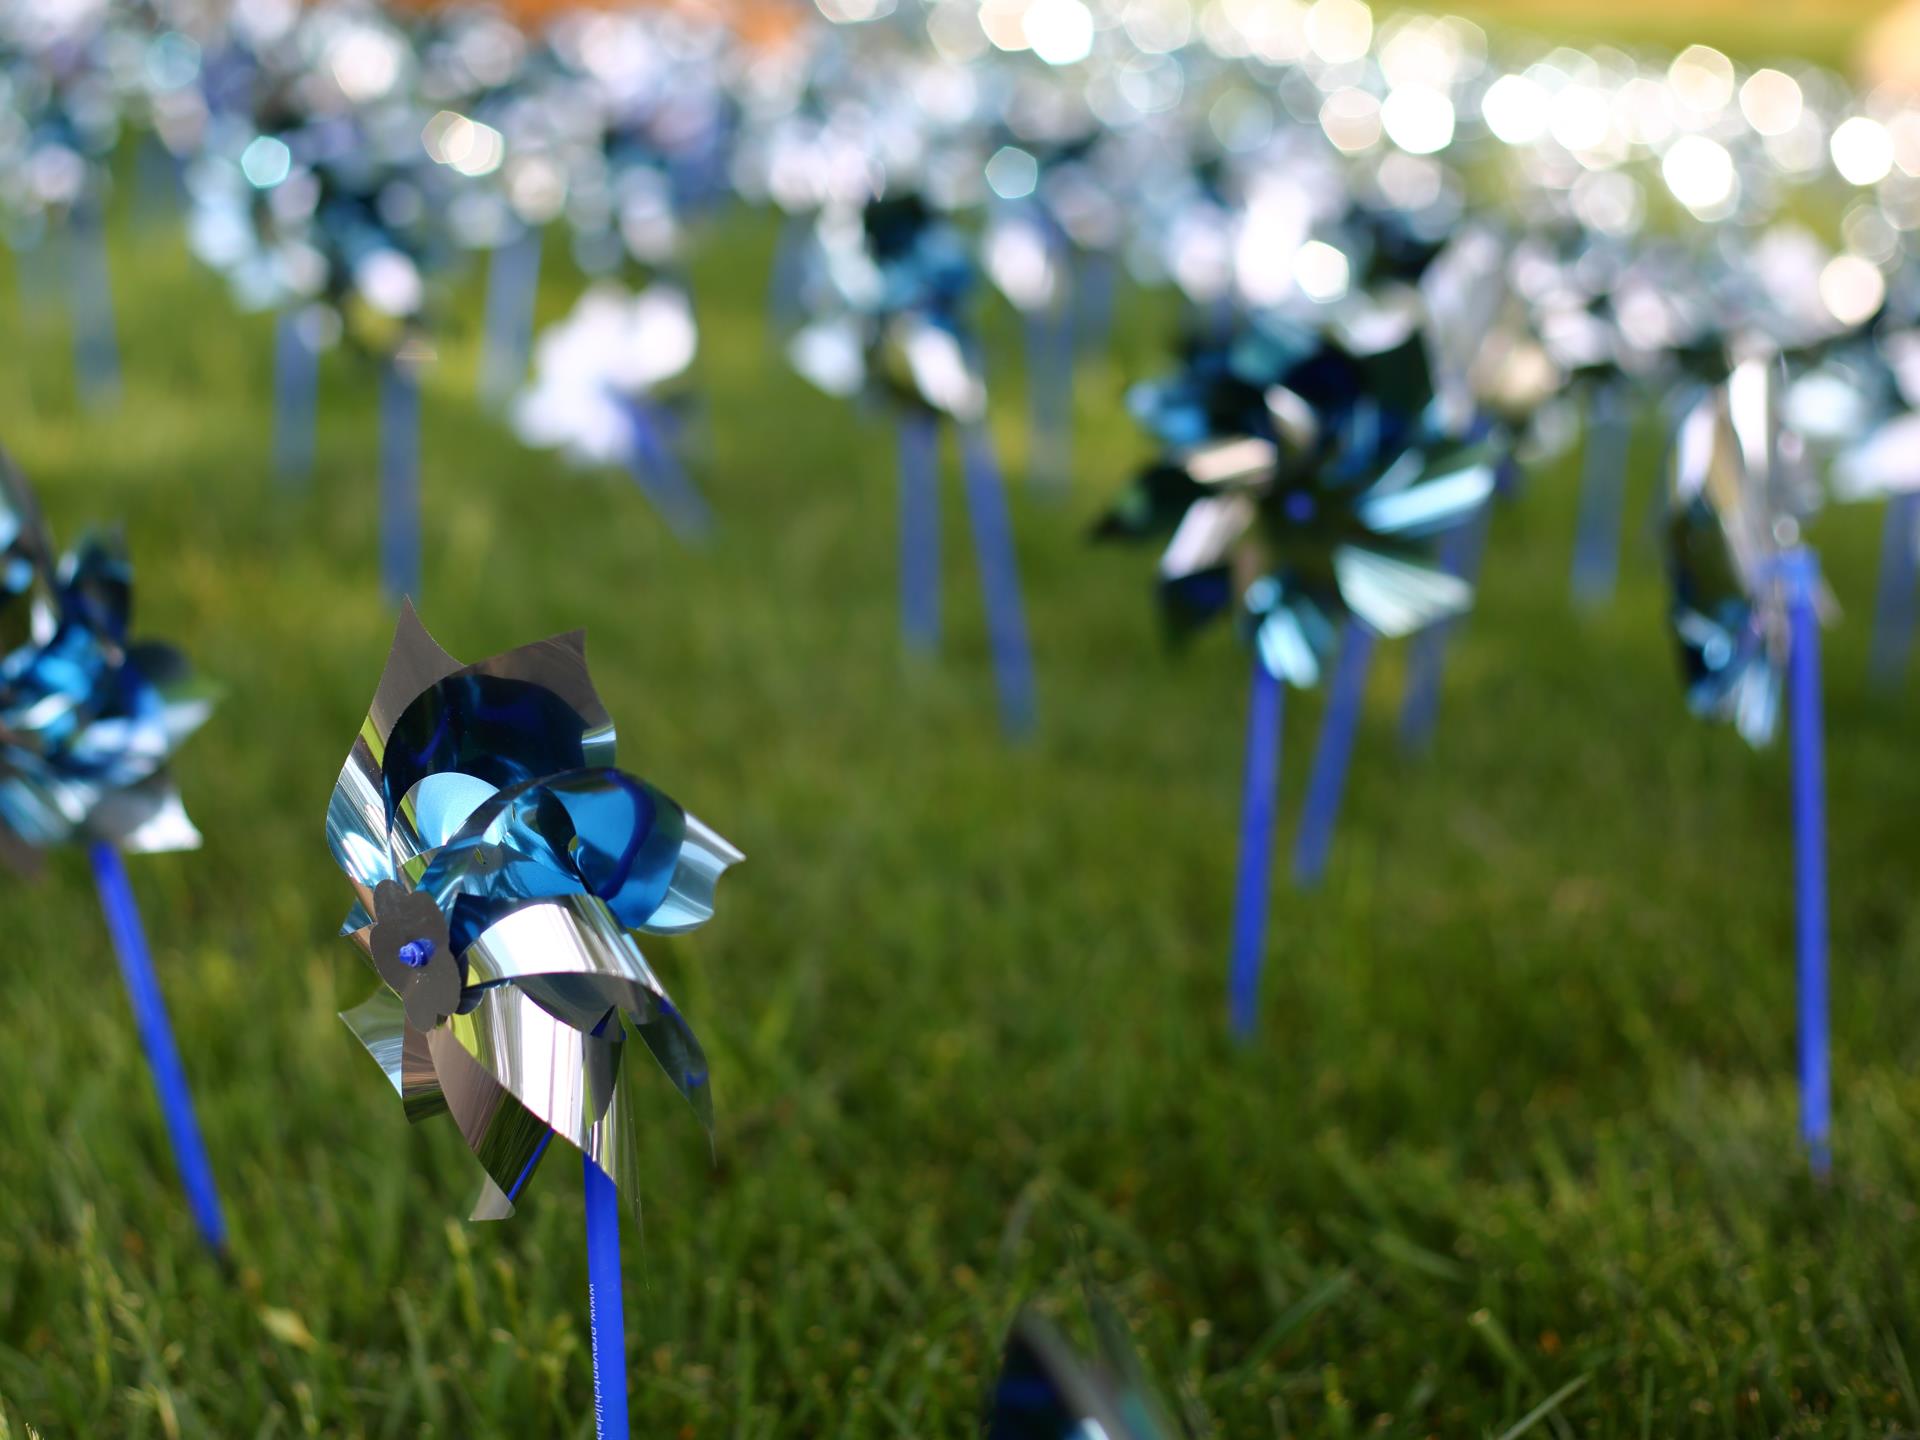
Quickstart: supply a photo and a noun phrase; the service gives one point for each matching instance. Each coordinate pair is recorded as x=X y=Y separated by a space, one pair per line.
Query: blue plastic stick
x=296 y=378
x=662 y=478
x=1093 y=286
x=96 y=347
x=787 y=276
x=919 y=530
x=157 y=188
x=1328 y=782
x=156 y=1038
x=513 y=285
x=605 y=1313
x=999 y=580
x=1260 y=783
x=1603 y=483
x=33 y=268
x=399 y=481
x=1893 y=600
x=1461 y=549
x=1050 y=356
x=1799 y=572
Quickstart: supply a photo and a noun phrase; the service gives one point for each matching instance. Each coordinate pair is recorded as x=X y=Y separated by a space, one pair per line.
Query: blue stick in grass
x=1746 y=615
x=999 y=580
x=1332 y=755
x=513 y=287
x=1253 y=883
x=91 y=717
x=500 y=912
x=919 y=447
x=1094 y=282
x=296 y=397
x=1799 y=576
x=605 y=1311
x=399 y=478
x=1603 y=477
x=1893 y=601
x=96 y=345
x=156 y=1038
x=657 y=470
x=1460 y=553
x=906 y=344
x=1050 y=364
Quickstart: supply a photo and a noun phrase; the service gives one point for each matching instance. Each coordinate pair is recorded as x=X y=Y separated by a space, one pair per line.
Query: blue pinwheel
x=888 y=290
x=1300 y=482
x=88 y=721
x=501 y=865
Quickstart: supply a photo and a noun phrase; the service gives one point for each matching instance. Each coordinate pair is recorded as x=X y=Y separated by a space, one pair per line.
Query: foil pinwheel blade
x=1045 y=1391
x=501 y=866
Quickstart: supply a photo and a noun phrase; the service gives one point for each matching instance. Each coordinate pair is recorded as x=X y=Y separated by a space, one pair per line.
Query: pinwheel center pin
x=416 y=953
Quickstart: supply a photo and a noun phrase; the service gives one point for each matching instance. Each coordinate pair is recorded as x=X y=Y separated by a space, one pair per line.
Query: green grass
x=1520 y=1114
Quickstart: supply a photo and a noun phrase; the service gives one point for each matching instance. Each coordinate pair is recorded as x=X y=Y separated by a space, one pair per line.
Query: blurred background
x=1513 y=1147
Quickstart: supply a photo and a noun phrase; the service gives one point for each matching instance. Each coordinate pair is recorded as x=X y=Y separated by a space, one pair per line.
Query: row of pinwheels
x=1369 y=360
x=337 y=163
x=1371 y=352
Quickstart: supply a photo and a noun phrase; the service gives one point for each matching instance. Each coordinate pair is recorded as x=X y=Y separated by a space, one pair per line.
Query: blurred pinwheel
x=324 y=192
x=500 y=864
x=1738 y=494
x=887 y=289
x=1301 y=479
x=1045 y=1391
x=88 y=718
x=88 y=722
x=596 y=392
x=60 y=118
x=1747 y=603
x=1048 y=247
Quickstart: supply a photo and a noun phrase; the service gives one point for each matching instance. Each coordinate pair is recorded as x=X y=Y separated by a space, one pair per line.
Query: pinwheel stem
x=513 y=284
x=399 y=480
x=787 y=275
x=1260 y=783
x=96 y=347
x=919 y=530
x=1093 y=287
x=605 y=1312
x=1050 y=356
x=296 y=378
x=1603 y=474
x=156 y=1038
x=657 y=470
x=1893 y=600
x=1460 y=550
x=157 y=187
x=1799 y=574
x=999 y=580
x=1328 y=782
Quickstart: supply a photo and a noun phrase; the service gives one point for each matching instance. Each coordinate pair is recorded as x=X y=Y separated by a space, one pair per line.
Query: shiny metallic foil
x=501 y=867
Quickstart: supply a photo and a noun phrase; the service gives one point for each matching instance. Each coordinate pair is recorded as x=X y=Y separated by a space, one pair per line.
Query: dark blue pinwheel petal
x=495 y=728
